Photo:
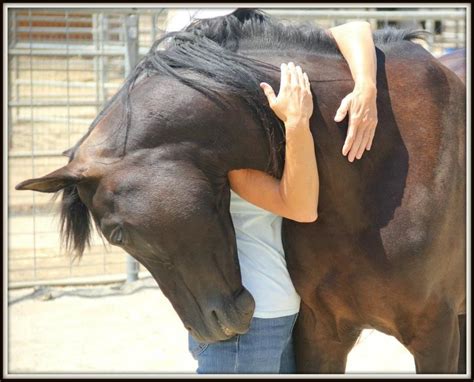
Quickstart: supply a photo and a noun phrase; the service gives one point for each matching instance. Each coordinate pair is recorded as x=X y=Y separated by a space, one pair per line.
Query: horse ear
x=52 y=182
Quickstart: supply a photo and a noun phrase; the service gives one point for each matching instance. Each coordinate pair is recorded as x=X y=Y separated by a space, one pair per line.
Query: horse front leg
x=436 y=344
x=316 y=349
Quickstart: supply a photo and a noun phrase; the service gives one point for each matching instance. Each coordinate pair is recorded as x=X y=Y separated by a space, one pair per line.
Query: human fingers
x=306 y=82
x=293 y=74
x=285 y=77
x=268 y=90
x=358 y=135
x=343 y=108
x=363 y=144
x=351 y=134
x=371 y=139
x=299 y=73
x=372 y=131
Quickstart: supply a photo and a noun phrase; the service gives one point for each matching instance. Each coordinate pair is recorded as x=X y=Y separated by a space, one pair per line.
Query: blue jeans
x=266 y=348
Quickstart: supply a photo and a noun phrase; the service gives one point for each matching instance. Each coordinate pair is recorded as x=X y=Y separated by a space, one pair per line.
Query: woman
x=259 y=201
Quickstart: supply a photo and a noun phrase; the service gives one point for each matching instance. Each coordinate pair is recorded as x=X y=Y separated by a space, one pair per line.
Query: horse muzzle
x=228 y=320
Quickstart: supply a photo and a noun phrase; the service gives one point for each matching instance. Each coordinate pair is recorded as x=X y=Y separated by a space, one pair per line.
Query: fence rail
x=64 y=63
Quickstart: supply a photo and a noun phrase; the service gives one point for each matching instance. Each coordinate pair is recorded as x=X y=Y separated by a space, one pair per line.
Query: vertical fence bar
x=104 y=37
x=131 y=59
x=154 y=21
x=429 y=25
x=97 y=37
x=12 y=29
x=68 y=81
x=456 y=34
x=68 y=99
x=372 y=21
x=102 y=34
x=32 y=124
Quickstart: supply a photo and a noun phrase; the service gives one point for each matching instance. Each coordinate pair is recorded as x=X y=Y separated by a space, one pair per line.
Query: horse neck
x=331 y=81
x=243 y=141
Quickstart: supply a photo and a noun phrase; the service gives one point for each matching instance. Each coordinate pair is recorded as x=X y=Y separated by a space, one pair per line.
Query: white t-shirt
x=262 y=259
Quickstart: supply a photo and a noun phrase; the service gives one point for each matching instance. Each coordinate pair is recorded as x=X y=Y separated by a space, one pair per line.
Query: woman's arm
x=355 y=42
x=296 y=195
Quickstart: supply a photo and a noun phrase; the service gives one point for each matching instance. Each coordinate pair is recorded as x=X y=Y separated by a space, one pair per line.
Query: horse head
x=165 y=199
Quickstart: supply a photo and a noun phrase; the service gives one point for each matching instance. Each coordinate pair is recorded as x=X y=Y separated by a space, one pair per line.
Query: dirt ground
x=131 y=328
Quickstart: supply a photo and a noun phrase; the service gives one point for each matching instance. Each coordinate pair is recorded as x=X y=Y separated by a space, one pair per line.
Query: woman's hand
x=295 y=196
x=356 y=44
x=294 y=103
x=362 y=107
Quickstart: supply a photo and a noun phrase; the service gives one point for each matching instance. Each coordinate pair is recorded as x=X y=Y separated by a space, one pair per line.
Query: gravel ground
x=131 y=328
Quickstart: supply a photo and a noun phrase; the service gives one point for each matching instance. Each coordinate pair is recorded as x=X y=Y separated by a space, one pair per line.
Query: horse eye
x=116 y=236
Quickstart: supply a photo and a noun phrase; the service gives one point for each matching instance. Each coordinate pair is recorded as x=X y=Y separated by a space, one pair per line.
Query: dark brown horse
x=388 y=250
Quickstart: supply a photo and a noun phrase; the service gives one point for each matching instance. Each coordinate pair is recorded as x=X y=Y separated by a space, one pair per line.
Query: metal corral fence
x=63 y=64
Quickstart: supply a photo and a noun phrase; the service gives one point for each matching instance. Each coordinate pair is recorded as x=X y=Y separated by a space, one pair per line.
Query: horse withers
x=388 y=249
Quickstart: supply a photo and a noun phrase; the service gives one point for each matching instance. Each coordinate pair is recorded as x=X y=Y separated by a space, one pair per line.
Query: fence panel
x=65 y=63
x=63 y=66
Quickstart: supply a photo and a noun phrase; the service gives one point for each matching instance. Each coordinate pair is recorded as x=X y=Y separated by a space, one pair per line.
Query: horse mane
x=205 y=56
x=75 y=222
